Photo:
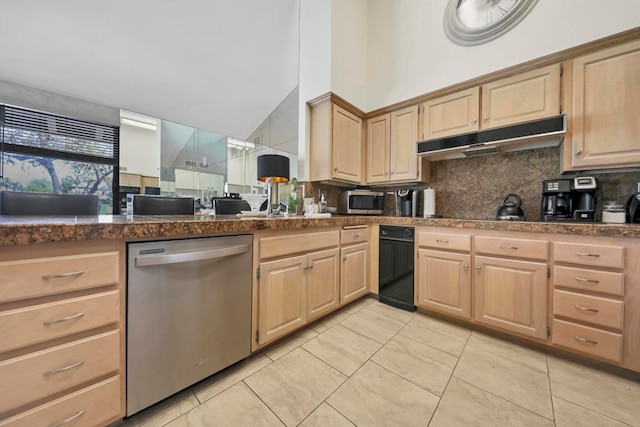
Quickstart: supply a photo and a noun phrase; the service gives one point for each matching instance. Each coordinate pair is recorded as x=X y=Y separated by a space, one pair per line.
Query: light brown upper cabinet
x=336 y=143
x=519 y=98
x=391 y=148
x=606 y=130
x=452 y=114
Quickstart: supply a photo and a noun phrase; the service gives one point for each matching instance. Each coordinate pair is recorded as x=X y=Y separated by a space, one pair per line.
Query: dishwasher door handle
x=162 y=259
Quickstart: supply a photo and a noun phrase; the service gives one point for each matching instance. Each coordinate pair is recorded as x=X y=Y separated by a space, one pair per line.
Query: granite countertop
x=28 y=230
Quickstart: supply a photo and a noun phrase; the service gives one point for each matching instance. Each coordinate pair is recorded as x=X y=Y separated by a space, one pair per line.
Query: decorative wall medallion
x=472 y=22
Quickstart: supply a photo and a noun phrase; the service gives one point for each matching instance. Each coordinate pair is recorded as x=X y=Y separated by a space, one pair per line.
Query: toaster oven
x=361 y=202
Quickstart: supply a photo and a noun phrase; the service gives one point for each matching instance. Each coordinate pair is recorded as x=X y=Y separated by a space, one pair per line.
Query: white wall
x=140 y=150
x=314 y=78
x=349 y=35
x=409 y=54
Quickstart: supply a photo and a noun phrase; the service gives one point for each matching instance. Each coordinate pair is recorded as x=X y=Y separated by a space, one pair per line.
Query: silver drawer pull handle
x=591 y=310
x=64 y=319
x=66 y=368
x=68 y=420
x=587 y=254
x=580 y=279
x=442 y=241
x=508 y=247
x=62 y=275
x=584 y=340
x=306 y=267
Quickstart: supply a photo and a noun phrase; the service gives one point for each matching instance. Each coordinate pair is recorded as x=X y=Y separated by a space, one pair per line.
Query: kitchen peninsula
x=53 y=267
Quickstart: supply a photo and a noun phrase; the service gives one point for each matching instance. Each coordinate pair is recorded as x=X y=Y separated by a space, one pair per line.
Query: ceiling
x=219 y=65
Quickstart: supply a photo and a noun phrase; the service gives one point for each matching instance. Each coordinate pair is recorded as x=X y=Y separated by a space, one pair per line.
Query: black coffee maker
x=571 y=199
x=407 y=202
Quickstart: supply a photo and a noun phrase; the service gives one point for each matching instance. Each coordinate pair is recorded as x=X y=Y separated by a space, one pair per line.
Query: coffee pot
x=510 y=209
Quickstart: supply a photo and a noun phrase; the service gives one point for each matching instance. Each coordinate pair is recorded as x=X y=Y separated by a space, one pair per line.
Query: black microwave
x=361 y=202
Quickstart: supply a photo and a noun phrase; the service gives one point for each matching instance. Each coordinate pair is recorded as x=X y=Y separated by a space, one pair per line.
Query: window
x=44 y=152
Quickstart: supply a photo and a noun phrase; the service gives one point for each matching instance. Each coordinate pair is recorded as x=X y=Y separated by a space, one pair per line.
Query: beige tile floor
x=371 y=364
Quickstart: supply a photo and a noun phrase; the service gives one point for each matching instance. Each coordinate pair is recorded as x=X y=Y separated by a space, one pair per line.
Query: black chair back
x=46 y=204
x=162 y=205
x=230 y=206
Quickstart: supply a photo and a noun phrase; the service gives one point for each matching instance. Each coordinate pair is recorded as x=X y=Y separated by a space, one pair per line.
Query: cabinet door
x=347 y=145
x=511 y=295
x=323 y=286
x=130 y=180
x=378 y=138
x=282 y=297
x=452 y=114
x=404 y=136
x=353 y=272
x=444 y=282
x=148 y=181
x=605 y=108
x=527 y=96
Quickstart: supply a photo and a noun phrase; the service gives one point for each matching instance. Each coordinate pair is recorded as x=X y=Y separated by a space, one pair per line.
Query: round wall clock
x=472 y=22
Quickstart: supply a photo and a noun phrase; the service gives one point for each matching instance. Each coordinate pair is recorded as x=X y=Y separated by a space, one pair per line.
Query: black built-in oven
x=395 y=278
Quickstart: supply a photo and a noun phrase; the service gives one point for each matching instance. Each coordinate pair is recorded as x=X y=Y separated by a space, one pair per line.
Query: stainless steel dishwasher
x=188 y=313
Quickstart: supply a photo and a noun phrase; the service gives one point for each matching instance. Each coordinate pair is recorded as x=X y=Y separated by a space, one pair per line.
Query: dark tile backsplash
x=473 y=188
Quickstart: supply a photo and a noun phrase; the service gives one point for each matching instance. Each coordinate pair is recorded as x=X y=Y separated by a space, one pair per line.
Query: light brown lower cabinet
x=296 y=290
x=512 y=295
x=61 y=312
x=444 y=282
x=297 y=280
x=323 y=286
x=576 y=293
x=282 y=306
x=496 y=281
x=91 y=406
x=595 y=289
x=354 y=281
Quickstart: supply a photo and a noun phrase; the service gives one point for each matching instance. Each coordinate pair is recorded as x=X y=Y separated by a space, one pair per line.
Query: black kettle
x=510 y=210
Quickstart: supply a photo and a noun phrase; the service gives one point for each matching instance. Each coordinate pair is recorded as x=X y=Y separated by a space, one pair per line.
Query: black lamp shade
x=273 y=166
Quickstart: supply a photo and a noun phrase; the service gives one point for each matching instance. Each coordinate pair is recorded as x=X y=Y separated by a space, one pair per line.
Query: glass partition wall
x=203 y=164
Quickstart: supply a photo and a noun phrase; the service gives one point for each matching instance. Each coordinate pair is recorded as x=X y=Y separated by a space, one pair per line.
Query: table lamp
x=272 y=170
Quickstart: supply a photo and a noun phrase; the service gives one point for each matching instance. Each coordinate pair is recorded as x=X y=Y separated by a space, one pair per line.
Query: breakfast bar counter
x=15 y=230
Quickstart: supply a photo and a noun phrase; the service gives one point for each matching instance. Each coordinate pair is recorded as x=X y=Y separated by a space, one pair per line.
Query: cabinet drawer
x=521 y=248
x=38 y=323
x=590 y=309
x=276 y=246
x=354 y=235
x=47 y=276
x=37 y=375
x=589 y=280
x=91 y=406
x=594 y=255
x=454 y=242
x=596 y=342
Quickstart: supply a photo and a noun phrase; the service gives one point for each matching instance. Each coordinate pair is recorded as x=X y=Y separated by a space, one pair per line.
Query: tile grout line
x=449 y=381
x=500 y=397
x=235 y=383
x=505 y=400
x=591 y=410
x=553 y=408
x=263 y=402
x=359 y=368
x=512 y=360
x=330 y=394
x=429 y=345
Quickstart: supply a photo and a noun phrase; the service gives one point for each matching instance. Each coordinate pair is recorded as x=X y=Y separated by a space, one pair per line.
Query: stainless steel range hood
x=541 y=133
